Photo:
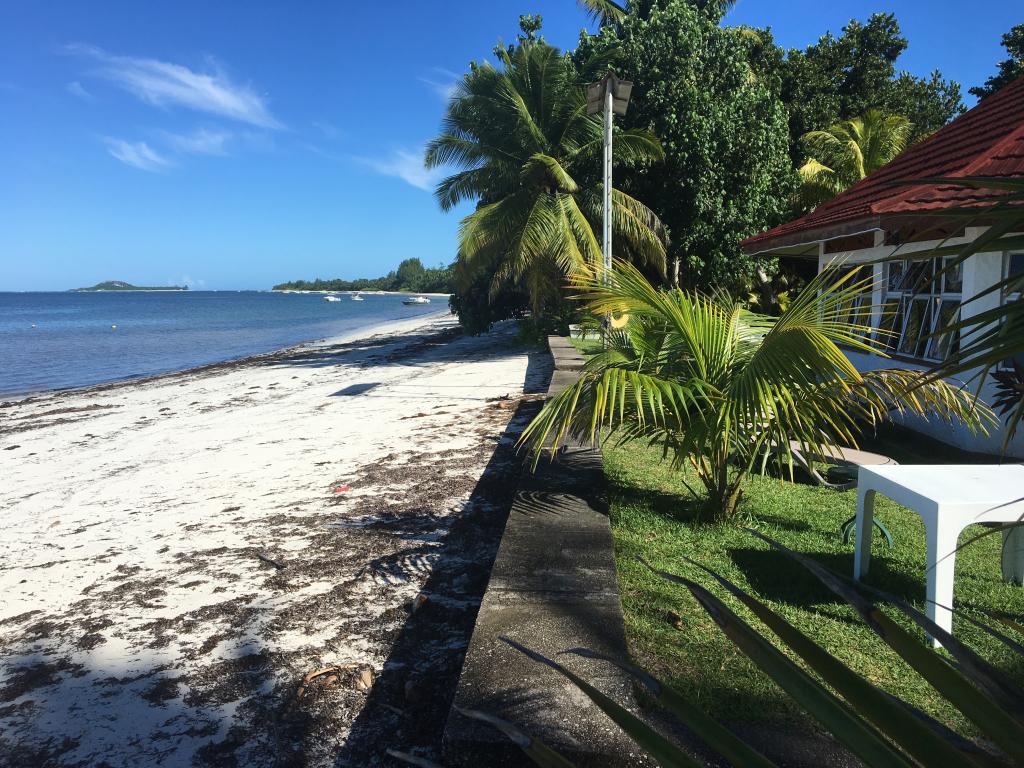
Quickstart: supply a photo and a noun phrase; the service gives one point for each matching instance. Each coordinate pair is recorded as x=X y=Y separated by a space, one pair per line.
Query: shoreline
x=7 y=400
x=181 y=552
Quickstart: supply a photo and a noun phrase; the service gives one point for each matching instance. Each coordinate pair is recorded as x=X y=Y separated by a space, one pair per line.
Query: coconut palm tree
x=611 y=12
x=531 y=157
x=846 y=152
x=721 y=388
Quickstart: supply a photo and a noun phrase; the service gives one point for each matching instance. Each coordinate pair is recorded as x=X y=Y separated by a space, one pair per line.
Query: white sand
x=134 y=516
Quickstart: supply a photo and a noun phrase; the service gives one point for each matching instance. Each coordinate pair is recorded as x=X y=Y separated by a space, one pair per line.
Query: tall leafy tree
x=530 y=156
x=843 y=154
x=838 y=78
x=1009 y=69
x=727 y=172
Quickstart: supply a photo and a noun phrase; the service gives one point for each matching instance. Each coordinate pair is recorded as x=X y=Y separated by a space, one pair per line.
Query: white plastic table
x=948 y=497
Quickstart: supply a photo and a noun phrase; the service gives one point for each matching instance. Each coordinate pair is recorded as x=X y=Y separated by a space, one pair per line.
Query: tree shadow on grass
x=682 y=508
x=774 y=576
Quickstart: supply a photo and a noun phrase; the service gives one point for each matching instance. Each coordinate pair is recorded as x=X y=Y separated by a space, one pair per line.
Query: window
x=1013 y=270
x=921 y=298
x=858 y=308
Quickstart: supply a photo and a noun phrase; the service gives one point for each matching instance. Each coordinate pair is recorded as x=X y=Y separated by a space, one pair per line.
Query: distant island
x=121 y=285
x=410 y=276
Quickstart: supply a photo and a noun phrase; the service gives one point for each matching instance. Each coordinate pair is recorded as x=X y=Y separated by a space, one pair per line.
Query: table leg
x=865 y=529
x=940 y=563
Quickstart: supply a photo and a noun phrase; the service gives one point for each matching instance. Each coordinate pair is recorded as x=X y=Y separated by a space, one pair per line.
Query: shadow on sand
x=408 y=705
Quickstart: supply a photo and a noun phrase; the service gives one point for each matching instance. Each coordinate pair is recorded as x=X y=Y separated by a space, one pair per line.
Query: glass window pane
x=941 y=345
x=1015 y=265
x=953 y=277
x=1015 y=270
x=918 y=277
x=915 y=327
x=895 y=274
x=889 y=325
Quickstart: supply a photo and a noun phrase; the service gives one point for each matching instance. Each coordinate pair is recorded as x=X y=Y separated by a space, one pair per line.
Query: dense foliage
x=411 y=276
x=843 y=154
x=529 y=154
x=1010 y=68
x=727 y=172
x=838 y=78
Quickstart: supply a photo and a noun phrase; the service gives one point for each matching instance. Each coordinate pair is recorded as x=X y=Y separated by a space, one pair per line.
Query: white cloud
x=137 y=154
x=442 y=81
x=407 y=166
x=77 y=89
x=195 y=285
x=329 y=130
x=164 y=84
x=199 y=142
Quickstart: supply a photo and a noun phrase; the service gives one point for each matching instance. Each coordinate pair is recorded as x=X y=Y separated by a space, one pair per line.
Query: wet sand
x=178 y=553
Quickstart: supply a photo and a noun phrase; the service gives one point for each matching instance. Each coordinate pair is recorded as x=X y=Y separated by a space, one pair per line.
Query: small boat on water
x=416 y=300
x=331 y=298
x=357 y=297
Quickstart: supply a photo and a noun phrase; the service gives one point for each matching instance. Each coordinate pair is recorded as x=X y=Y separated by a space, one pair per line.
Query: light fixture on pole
x=610 y=96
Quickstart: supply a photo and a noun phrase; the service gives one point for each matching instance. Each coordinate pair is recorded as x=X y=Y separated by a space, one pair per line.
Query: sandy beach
x=179 y=553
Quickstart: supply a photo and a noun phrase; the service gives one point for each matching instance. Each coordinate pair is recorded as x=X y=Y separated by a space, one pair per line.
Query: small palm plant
x=721 y=388
x=843 y=154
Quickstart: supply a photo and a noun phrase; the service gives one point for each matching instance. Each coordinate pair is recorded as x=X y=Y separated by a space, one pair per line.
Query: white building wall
x=980 y=271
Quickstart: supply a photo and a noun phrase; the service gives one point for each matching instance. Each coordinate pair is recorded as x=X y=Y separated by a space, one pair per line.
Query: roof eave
x=802 y=242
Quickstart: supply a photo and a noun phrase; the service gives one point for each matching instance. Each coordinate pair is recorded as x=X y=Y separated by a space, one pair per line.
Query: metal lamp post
x=610 y=96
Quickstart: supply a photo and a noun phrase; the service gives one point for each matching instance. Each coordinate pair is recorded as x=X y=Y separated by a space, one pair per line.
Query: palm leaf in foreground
x=879 y=728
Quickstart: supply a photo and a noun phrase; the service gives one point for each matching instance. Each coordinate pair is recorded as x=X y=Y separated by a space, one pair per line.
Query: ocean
x=60 y=340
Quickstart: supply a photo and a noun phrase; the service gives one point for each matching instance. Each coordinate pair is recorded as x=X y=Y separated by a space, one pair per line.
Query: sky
x=234 y=145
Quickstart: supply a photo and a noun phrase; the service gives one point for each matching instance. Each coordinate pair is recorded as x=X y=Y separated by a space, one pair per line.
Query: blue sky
x=235 y=145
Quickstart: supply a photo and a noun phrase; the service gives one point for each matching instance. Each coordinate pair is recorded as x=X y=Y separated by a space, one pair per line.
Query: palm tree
x=611 y=12
x=531 y=156
x=846 y=152
x=720 y=388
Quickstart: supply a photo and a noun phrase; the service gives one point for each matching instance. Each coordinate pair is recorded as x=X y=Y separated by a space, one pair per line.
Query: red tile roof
x=987 y=140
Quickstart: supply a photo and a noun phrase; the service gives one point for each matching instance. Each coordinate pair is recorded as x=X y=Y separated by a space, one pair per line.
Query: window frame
x=914 y=285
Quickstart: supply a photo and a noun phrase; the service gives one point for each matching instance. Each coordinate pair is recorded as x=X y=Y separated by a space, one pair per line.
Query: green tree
x=719 y=387
x=410 y=275
x=1009 y=69
x=843 y=154
x=838 y=78
x=611 y=12
x=727 y=172
x=531 y=157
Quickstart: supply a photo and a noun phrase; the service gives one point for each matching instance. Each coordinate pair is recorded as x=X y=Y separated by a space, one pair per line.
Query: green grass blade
x=664 y=752
x=536 y=750
x=989 y=717
x=859 y=736
x=891 y=716
x=714 y=734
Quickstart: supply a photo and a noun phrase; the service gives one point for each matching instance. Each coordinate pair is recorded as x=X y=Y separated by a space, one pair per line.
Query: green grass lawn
x=587 y=347
x=669 y=634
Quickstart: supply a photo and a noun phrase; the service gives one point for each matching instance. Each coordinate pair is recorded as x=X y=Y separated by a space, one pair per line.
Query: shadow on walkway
x=408 y=705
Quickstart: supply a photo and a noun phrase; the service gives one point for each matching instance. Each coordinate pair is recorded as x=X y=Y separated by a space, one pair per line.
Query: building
x=882 y=216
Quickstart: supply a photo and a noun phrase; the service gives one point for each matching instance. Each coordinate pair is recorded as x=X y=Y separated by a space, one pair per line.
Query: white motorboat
x=416 y=300
x=331 y=298
x=356 y=297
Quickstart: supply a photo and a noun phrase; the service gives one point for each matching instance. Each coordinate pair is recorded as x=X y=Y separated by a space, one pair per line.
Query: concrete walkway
x=553 y=587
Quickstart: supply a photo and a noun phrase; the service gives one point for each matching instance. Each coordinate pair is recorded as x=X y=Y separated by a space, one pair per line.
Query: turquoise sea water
x=59 y=340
